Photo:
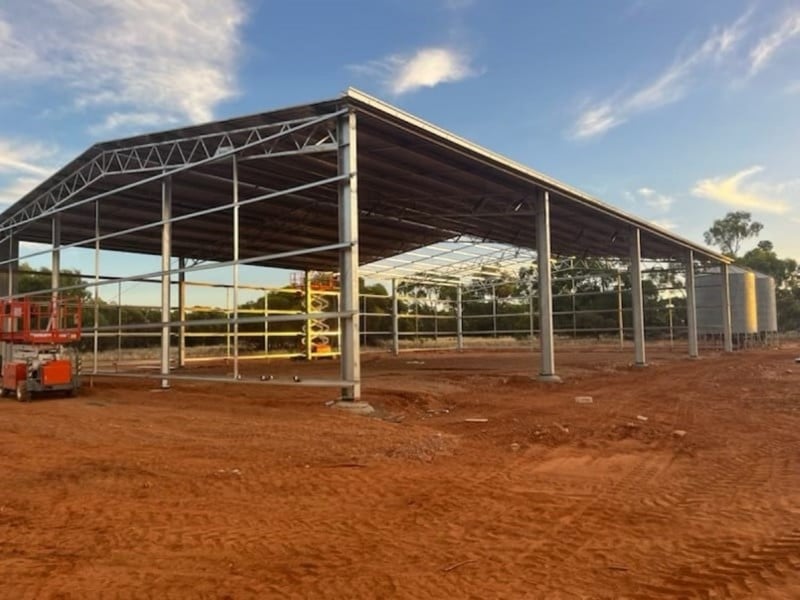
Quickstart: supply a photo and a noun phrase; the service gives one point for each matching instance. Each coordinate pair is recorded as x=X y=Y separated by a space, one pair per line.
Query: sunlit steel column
x=348 y=256
x=395 y=320
x=55 y=264
x=308 y=290
x=637 y=297
x=96 y=333
x=460 y=318
x=166 y=255
x=543 y=267
x=235 y=165
x=181 y=312
x=727 y=328
x=691 y=306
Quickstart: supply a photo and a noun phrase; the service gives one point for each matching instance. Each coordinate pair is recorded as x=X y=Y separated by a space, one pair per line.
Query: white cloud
x=129 y=57
x=21 y=157
x=664 y=223
x=659 y=202
x=734 y=190
x=427 y=67
x=793 y=88
x=133 y=120
x=766 y=48
x=17 y=188
x=670 y=86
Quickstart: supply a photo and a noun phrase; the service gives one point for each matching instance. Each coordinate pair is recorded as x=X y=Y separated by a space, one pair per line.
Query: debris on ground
x=584 y=400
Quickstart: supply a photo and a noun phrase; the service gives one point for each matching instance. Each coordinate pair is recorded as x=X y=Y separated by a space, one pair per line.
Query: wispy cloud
x=24 y=158
x=762 y=53
x=668 y=87
x=23 y=166
x=129 y=57
x=740 y=191
x=133 y=120
x=427 y=67
x=665 y=223
x=660 y=202
x=17 y=187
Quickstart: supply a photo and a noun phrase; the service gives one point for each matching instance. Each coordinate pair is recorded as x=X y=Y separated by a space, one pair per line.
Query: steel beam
x=348 y=256
x=727 y=328
x=166 y=255
x=691 y=305
x=174 y=156
x=547 y=349
x=637 y=298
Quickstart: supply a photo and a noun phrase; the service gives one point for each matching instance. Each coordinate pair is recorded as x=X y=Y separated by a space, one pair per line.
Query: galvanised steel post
x=348 y=256
x=96 y=336
x=548 y=370
x=459 y=318
x=235 y=169
x=166 y=255
x=55 y=260
x=691 y=305
x=395 y=320
x=637 y=297
x=182 y=312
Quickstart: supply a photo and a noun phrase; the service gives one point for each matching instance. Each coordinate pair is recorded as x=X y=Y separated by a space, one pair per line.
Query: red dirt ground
x=208 y=491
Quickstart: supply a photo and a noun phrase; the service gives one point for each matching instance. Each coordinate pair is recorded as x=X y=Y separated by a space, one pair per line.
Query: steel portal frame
x=290 y=165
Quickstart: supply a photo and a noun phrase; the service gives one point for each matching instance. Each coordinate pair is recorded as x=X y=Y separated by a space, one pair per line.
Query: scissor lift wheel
x=23 y=393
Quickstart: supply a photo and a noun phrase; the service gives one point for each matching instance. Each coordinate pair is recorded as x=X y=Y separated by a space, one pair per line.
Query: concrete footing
x=548 y=378
x=357 y=407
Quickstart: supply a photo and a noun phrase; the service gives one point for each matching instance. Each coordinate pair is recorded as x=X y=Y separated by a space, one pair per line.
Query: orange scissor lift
x=37 y=355
x=316 y=331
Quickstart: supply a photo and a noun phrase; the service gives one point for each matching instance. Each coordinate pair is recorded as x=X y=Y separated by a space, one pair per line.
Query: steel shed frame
x=327 y=186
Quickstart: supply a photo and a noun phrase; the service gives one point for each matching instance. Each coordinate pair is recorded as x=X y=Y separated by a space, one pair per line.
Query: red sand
x=212 y=491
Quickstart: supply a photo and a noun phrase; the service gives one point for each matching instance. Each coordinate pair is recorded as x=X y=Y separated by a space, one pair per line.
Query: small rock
x=515 y=447
x=641 y=417
x=679 y=433
x=584 y=399
x=476 y=420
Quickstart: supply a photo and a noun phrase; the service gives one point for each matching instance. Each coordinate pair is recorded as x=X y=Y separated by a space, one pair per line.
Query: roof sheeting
x=418 y=185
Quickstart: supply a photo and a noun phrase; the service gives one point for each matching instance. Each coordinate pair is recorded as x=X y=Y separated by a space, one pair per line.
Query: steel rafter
x=296 y=136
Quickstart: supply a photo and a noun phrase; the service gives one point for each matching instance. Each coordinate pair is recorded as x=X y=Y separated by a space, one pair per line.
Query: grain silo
x=765 y=300
x=744 y=313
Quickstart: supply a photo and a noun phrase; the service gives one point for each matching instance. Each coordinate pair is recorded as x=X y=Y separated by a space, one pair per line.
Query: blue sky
x=677 y=111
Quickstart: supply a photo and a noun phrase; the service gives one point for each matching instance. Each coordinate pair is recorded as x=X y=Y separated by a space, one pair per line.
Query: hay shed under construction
x=335 y=186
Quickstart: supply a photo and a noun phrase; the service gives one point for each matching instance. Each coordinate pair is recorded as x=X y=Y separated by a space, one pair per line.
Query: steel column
x=96 y=336
x=55 y=259
x=395 y=320
x=459 y=318
x=9 y=253
x=308 y=291
x=691 y=305
x=166 y=256
x=348 y=256
x=235 y=169
x=727 y=328
x=543 y=267
x=620 y=319
x=181 y=312
x=637 y=297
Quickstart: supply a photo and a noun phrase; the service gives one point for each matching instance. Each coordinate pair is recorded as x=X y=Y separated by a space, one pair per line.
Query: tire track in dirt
x=741 y=572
